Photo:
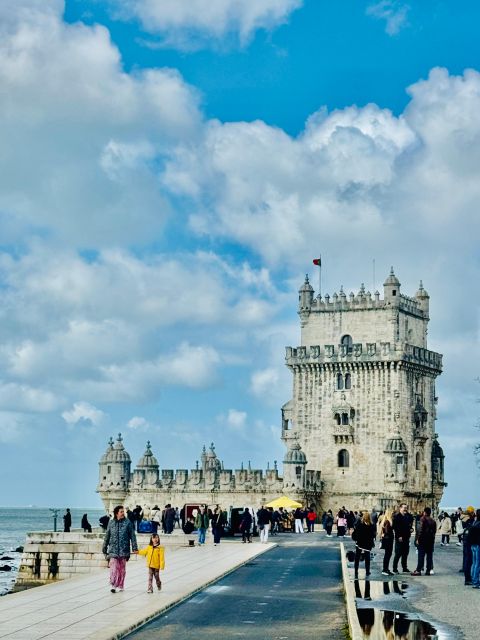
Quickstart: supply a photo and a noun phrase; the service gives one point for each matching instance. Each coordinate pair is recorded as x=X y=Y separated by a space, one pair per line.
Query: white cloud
x=263 y=381
x=196 y=23
x=138 y=423
x=83 y=412
x=236 y=420
x=394 y=12
x=88 y=134
x=21 y=397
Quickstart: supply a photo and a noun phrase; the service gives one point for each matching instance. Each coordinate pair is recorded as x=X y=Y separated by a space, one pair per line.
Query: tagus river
x=15 y=523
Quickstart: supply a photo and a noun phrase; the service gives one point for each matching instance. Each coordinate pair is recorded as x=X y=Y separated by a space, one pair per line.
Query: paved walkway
x=85 y=608
x=294 y=593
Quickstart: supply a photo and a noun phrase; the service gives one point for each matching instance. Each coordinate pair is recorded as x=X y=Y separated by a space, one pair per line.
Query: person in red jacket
x=311 y=517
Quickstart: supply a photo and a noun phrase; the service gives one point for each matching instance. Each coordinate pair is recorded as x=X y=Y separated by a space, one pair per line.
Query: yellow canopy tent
x=285 y=502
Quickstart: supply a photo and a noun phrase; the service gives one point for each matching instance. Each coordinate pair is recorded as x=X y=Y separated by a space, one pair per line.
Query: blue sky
x=167 y=172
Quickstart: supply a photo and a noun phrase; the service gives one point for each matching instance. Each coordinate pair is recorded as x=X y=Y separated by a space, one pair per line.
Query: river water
x=15 y=523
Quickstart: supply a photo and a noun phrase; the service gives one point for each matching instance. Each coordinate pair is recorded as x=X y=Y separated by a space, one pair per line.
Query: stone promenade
x=85 y=608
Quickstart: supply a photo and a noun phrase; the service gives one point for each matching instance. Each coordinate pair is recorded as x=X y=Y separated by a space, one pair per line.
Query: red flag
x=317 y=262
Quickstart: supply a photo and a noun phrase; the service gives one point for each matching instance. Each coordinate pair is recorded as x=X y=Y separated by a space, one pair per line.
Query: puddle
x=378 y=590
x=380 y=624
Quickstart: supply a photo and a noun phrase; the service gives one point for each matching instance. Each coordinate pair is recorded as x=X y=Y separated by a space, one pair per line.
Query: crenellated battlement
x=369 y=352
x=363 y=301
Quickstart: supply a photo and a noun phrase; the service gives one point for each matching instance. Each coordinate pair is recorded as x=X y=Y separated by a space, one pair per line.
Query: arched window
x=352 y=414
x=338 y=420
x=339 y=381
x=298 y=472
x=348 y=381
x=343 y=458
x=417 y=461
x=344 y=418
x=347 y=342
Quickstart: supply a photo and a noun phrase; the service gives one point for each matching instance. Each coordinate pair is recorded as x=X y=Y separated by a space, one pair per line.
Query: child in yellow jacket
x=155 y=561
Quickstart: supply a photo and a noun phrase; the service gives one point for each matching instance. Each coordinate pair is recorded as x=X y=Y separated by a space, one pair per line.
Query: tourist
x=138 y=514
x=217 y=525
x=119 y=537
x=275 y=522
x=467 y=520
x=155 y=561
x=201 y=524
x=374 y=516
x=131 y=516
x=385 y=533
x=364 y=538
x=341 y=524
x=328 y=526
x=474 y=535
x=67 y=521
x=177 y=516
x=402 y=527
x=104 y=520
x=264 y=519
x=155 y=517
x=170 y=515
x=246 y=526
x=459 y=529
x=425 y=542
x=311 y=517
x=445 y=529
x=189 y=526
x=298 y=515
x=86 y=526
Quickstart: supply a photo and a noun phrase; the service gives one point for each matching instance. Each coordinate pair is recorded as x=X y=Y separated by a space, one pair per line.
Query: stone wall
x=49 y=556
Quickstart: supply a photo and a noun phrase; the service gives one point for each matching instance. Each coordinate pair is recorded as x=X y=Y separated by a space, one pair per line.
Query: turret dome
x=148 y=460
x=306 y=286
x=421 y=293
x=395 y=445
x=117 y=452
x=295 y=455
x=107 y=453
x=392 y=279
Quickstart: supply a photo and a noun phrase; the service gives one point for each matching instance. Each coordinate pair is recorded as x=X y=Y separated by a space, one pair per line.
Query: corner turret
x=294 y=465
x=305 y=299
x=423 y=299
x=114 y=473
x=146 y=473
x=391 y=289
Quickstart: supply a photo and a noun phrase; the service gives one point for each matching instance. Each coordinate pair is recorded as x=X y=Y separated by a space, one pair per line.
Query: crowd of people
x=395 y=531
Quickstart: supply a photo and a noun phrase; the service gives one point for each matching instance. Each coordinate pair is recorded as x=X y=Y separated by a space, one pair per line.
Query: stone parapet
x=370 y=352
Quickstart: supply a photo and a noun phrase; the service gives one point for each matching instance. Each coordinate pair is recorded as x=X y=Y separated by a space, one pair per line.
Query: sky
x=168 y=171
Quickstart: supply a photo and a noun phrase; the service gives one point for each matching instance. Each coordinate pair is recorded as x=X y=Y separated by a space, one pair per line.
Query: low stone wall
x=49 y=556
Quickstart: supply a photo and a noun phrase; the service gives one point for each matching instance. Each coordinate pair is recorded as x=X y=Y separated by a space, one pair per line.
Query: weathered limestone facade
x=363 y=406
x=209 y=483
x=359 y=429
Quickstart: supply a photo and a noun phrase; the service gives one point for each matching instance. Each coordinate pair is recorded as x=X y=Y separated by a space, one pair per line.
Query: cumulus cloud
x=138 y=423
x=12 y=427
x=236 y=420
x=394 y=12
x=263 y=381
x=22 y=397
x=87 y=134
x=83 y=413
x=196 y=23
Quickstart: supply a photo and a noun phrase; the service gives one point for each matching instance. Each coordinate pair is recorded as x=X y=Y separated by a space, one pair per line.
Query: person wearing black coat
x=246 y=526
x=402 y=528
x=364 y=537
x=67 y=521
x=425 y=542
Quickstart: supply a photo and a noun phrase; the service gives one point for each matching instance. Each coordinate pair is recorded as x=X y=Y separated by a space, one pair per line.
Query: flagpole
x=320 y=278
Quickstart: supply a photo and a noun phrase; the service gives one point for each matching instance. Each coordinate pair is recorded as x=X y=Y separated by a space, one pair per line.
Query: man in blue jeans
x=201 y=524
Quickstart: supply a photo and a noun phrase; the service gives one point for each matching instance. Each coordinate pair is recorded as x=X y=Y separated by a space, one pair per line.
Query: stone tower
x=363 y=405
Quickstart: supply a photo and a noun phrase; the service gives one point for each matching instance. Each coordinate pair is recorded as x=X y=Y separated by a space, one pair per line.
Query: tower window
x=347 y=342
x=338 y=420
x=417 y=461
x=298 y=471
x=348 y=381
x=344 y=418
x=109 y=469
x=394 y=292
x=343 y=458
x=339 y=381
